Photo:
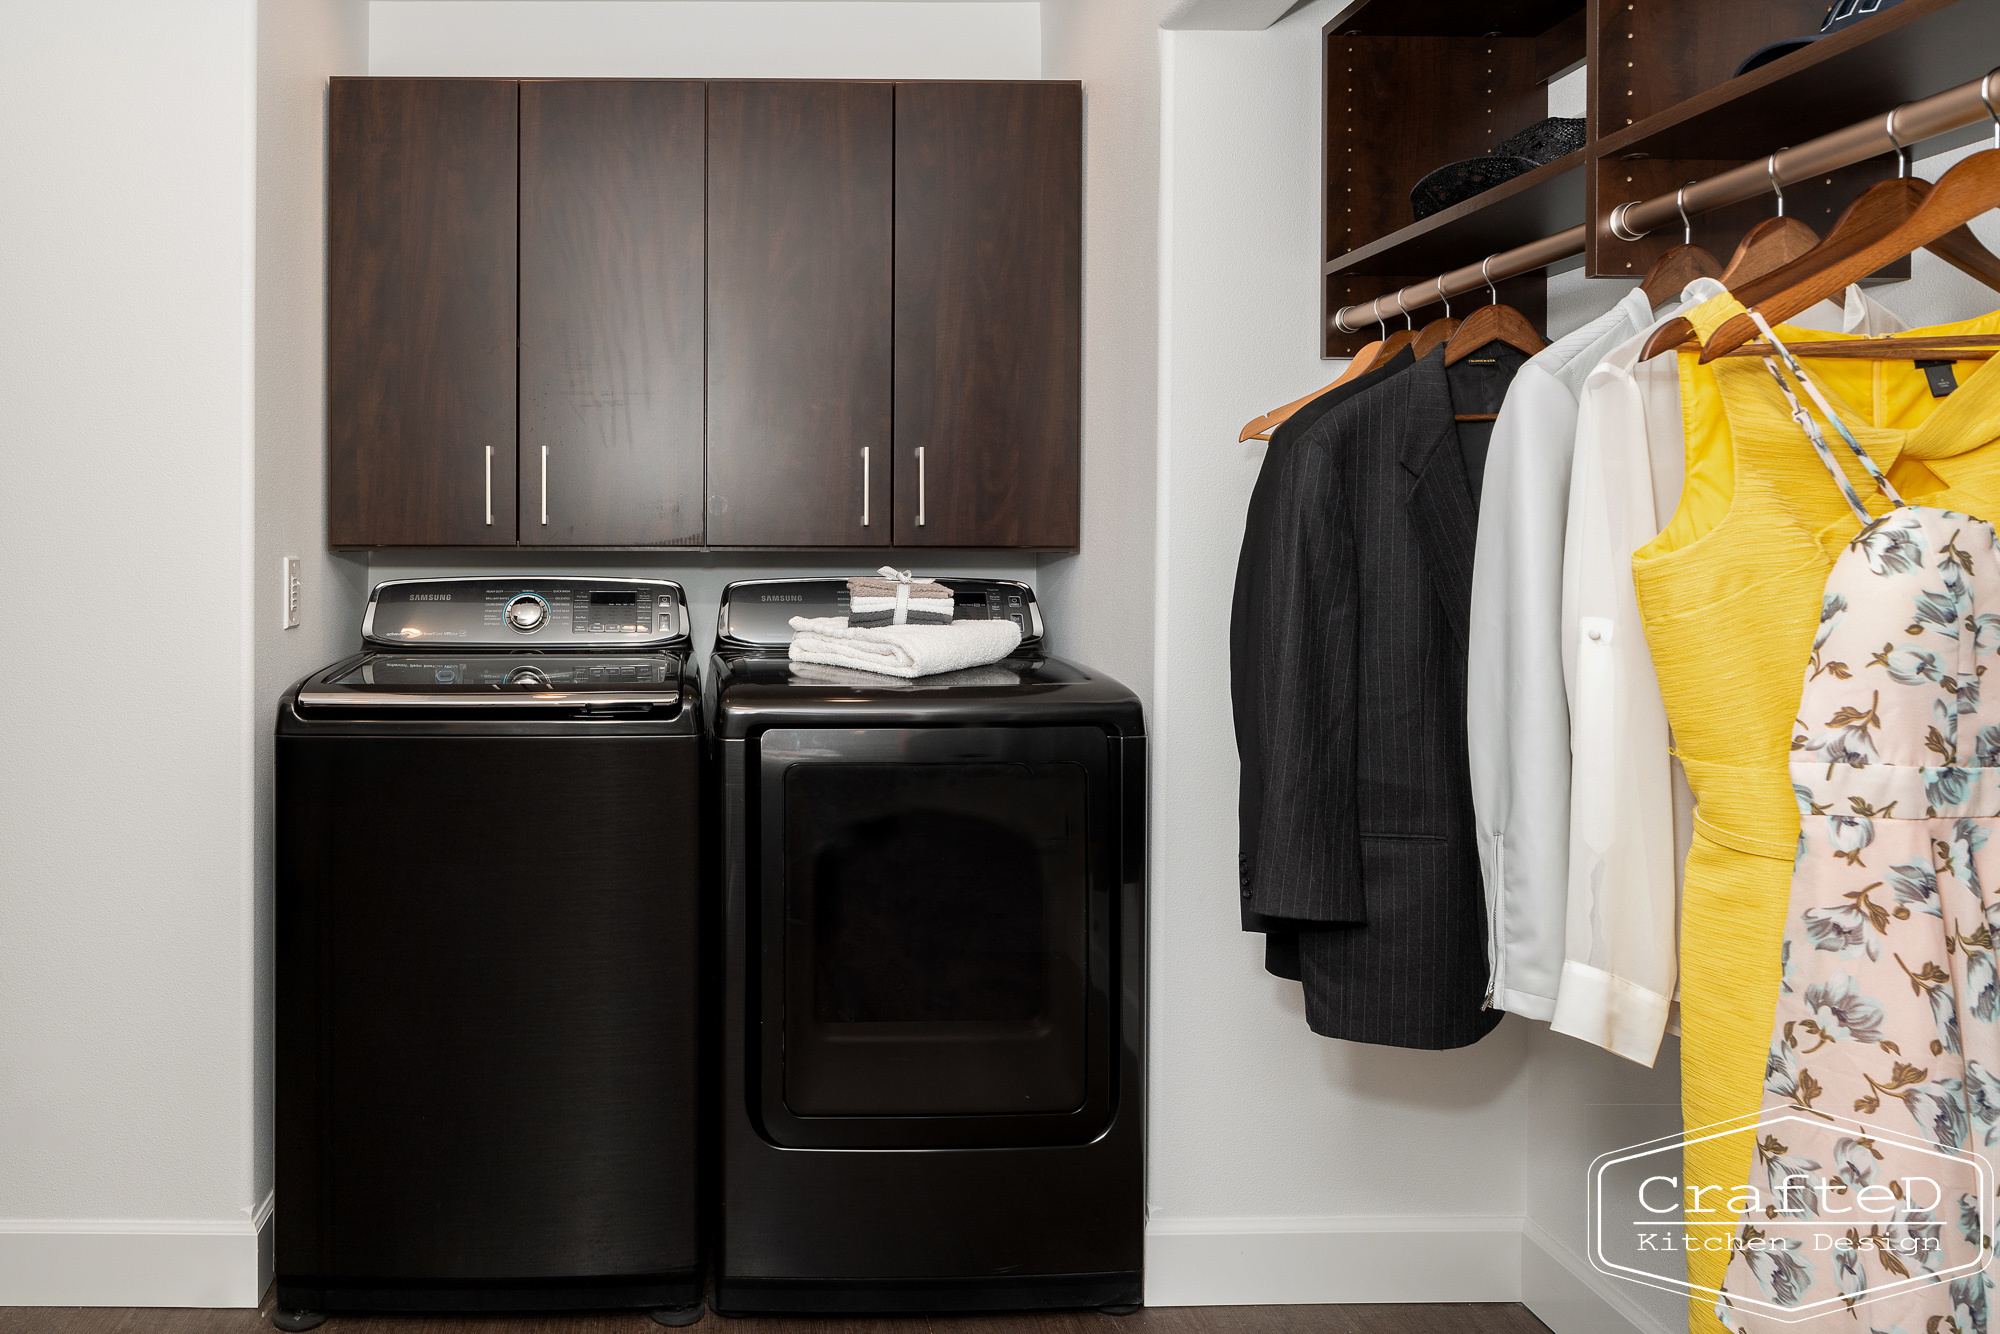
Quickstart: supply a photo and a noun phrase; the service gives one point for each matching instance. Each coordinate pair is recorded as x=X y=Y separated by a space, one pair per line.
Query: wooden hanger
x=1439 y=331
x=1400 y=339
x=1680 y=265
x=1433 y=336
x=1965 y=192
x=1260 y=428
x=1876 y=212
x=1765 y=248
x=1925 y=347
x=1492 y=323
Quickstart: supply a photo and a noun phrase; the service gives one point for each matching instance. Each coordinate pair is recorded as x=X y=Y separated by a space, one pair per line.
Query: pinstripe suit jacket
x=1365 y=853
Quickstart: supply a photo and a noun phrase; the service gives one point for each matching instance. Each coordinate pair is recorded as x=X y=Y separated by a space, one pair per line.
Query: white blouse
x=1631 y=814
x=1516 y=709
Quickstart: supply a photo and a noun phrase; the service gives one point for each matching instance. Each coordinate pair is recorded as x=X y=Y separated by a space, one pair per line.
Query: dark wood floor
x=1480 y=1319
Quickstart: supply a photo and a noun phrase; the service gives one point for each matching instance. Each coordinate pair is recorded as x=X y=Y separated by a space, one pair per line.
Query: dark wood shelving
x=1694 y=120
x=1918 y=48
x=1410 y=86
x=1532 y=205
x=1452 y=18
x=1413 y=84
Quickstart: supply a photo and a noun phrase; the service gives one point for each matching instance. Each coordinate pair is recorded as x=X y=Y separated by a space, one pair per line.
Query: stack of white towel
x=899 y=626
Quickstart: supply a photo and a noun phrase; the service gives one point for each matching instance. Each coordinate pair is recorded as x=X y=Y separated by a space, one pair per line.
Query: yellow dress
x=1730 y=594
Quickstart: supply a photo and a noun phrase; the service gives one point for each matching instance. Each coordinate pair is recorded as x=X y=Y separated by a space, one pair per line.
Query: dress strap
x=1813 y=433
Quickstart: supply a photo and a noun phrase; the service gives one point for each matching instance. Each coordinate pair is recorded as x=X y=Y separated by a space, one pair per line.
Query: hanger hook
x=1404 y=310
x=1989 y=105
x=1442 y=297
x=1902 y=156
x=1777 y=186
x=1491 y=290
x=1680 y=204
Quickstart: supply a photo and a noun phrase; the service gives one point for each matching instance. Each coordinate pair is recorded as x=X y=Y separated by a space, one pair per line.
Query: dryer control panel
x=758 y=612
x=531 y=613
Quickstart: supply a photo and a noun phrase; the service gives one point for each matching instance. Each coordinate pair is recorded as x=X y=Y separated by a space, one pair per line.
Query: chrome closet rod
x=1914 y=122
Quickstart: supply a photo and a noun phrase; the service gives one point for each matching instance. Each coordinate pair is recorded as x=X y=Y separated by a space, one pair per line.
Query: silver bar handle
x=545 y=485
x=920 y=486
x=864 y=486
x=489 y=484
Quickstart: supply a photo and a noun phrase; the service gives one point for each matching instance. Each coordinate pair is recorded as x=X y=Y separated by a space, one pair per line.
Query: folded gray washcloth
x=897 y=599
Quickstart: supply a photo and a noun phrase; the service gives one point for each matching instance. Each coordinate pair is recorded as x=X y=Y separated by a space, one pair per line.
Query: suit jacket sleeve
x=1309 y=855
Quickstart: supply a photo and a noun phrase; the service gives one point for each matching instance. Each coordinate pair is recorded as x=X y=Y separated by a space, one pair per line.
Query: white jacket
x=1516 y=711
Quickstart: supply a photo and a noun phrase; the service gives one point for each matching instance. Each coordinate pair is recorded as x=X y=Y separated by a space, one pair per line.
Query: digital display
x=600 y=598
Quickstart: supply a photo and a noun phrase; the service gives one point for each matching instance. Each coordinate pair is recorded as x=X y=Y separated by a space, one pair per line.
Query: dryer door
x=936 y=917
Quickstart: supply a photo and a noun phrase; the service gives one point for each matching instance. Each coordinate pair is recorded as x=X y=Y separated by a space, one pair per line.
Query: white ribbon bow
x=902 y=578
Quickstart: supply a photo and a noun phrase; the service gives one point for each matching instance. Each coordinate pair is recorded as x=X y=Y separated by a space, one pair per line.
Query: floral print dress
x=1869 y=1208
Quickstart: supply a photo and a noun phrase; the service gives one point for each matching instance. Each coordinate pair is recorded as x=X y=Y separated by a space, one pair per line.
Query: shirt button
x=1596 y=634
x=1246 y=893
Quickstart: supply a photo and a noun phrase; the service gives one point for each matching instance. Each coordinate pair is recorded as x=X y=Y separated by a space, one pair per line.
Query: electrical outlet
x=291 y=592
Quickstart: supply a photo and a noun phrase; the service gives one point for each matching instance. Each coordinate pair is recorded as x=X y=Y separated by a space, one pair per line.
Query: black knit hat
x=1536 y=146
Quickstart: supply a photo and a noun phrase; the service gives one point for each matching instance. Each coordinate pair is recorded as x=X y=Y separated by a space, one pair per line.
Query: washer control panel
x=530 y=613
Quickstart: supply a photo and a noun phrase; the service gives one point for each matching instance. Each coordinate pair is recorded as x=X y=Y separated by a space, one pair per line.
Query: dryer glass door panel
x=936 y=915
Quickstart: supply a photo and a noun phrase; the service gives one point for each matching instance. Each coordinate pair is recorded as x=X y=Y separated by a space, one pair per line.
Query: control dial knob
x=527 y=613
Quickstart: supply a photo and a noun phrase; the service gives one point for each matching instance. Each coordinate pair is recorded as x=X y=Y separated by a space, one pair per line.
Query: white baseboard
x=135 y=1262
x=1270 y=1261
x=1568 y=1296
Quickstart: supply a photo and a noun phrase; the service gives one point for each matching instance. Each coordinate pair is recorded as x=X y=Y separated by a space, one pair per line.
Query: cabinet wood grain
x=612 y=247
x=421 y=312
x=989 y=181
x=799 y=313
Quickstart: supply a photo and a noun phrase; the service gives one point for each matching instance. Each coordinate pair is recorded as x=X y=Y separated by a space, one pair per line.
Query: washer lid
x=757 y=613
x=616 y=682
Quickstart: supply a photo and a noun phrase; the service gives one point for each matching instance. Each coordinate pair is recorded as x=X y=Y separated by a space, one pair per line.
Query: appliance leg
x=1119 y=1310
x=296 y=1320
x=676 y=1316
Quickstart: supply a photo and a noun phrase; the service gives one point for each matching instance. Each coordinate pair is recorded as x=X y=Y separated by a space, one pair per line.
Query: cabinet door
x=611 y=312
x=420 y=312
x=989 y=192
x=799 y=308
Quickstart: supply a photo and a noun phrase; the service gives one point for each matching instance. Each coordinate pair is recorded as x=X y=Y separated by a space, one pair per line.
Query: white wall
x=299 y=44
x=1284 y=1167
x=127 y=981
x=1100 y=601
x=707 y=39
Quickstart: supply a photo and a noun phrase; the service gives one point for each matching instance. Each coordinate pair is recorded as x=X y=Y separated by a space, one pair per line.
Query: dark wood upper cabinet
x=422 y=190
x=800 y=217
x=989 y=290
x=666 y=313
x=612 y=247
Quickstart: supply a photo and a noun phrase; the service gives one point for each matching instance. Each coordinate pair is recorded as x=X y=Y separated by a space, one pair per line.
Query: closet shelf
x=1512 y=213
x=1899 y=55
x=1452 y=18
